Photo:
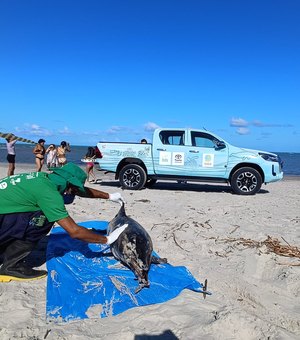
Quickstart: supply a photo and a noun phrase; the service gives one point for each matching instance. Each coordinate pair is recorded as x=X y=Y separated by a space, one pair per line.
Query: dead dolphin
x=133 y=248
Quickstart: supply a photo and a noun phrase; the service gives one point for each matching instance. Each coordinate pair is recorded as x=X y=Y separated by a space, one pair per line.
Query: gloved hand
x=116 y=197
x=115 y=234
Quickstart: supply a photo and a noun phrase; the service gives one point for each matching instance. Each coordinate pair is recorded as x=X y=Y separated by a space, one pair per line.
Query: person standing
x=39 y=151
x=90 y=159
x=11 y=154
x=51 y=153
x=61 y=153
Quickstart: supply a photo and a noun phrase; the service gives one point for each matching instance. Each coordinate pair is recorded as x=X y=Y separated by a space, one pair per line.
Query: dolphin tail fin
x=122 y=210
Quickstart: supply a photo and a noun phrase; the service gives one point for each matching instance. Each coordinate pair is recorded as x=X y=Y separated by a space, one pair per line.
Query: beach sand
x=256 y=293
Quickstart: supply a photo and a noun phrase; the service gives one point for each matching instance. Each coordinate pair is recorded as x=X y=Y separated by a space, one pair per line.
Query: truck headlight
x=269 y=157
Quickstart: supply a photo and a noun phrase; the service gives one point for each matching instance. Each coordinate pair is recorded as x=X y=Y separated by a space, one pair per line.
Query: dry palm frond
x=272 y=244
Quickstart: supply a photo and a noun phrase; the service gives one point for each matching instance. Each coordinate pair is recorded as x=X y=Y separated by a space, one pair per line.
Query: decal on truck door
x=208 y=160
x=171 y=158
x=165 y=158
x=178 y=158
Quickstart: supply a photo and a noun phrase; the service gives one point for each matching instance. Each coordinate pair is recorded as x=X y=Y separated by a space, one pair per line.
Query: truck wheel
x=246 y=181
x=132 y=177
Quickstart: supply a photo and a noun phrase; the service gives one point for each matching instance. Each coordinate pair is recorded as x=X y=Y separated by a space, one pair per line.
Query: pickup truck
x=189 y=155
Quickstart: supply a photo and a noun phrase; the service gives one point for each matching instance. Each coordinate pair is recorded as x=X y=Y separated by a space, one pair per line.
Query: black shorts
x=29 y=226
x=11 y=158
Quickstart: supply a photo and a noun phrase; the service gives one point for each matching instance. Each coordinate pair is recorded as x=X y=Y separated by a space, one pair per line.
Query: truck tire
x=246 y=181
x=132 y=177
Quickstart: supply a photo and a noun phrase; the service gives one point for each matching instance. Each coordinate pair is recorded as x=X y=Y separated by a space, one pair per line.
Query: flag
x=9 y=135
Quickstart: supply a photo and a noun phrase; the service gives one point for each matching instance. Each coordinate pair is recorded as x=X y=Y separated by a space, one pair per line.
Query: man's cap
x=72 y=174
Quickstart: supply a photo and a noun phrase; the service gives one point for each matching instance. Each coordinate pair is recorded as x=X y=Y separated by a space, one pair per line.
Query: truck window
x=172 y=137
x=202 y=140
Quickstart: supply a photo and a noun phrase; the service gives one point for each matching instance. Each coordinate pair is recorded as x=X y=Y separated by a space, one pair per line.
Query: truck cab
x=189 y=153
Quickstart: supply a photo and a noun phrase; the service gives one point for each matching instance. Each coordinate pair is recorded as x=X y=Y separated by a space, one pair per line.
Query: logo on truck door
x=178 y=158
x=171 y=158
x=165 y=158
x=208 y=160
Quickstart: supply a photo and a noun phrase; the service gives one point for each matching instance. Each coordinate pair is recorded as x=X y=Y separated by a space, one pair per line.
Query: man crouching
x=30 y=204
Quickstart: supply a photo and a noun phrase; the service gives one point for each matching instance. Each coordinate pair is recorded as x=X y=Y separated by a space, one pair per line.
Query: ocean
x=291 y=160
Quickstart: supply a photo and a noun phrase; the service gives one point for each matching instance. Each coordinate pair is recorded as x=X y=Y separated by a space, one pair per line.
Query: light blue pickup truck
x=189 y=155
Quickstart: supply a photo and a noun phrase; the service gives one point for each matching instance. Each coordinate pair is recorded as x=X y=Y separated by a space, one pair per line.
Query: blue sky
x=92 y=70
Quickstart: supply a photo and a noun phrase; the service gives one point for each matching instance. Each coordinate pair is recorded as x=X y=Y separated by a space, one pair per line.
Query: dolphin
x=133 y=248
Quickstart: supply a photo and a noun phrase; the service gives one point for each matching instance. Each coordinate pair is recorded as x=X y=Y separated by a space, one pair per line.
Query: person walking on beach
x=51 y=153
x=30 y=204
x=90 y=159
x=39 y=151
x=11 y=154
x=61 y=153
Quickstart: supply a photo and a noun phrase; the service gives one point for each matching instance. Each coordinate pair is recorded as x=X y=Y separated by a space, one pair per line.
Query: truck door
x=169 y=153
x=206 y=155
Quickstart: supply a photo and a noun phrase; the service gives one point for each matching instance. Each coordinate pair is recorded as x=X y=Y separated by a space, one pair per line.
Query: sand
x=256 y=292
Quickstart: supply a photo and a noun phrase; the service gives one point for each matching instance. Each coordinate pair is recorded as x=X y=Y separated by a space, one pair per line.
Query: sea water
x=291 y=160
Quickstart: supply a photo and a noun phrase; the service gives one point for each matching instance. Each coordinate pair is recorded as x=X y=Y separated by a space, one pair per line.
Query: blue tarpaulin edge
x=85 y=281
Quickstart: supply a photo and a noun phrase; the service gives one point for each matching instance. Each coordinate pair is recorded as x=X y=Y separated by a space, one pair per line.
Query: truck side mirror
x=219 y=145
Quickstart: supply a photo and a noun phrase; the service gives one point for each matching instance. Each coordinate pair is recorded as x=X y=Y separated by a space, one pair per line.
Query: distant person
x=144 y=141
x=11 y=154
x=61 y=153
x=98 y=152
x=39 y=151
x=31 y=204
x=51 y=153
x=90 y=159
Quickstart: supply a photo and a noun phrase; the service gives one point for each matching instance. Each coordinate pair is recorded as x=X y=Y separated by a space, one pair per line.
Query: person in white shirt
x=11 y=154
x=51 y=153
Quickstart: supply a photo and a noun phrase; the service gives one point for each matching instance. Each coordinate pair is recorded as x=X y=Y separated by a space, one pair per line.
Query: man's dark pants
x=19 y=233
x=28 y=226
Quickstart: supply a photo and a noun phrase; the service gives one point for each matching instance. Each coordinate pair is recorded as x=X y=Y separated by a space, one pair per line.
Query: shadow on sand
x=166 y=335
x=189 y=186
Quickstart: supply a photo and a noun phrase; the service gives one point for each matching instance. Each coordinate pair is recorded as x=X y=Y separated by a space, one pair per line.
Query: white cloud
x=33 y=130
x=35 y=127
x=240 y=122
x=150 y=126
x=65 y=131
x=243 y=131
x=258 y=123
x=114 y=129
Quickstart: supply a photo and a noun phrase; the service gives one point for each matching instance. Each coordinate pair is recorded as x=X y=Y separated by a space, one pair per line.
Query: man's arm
x=83 y=234
x=80 y=233
x=94 y=193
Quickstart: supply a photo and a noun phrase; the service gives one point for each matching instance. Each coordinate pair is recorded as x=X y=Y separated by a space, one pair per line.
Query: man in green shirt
x=30 y=204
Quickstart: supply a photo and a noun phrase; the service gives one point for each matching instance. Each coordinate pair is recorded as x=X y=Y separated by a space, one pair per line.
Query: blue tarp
x=85 y=281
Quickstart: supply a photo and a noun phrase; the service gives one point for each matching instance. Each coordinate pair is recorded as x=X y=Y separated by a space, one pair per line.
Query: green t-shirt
x=31 y=192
